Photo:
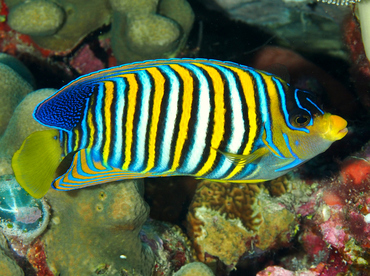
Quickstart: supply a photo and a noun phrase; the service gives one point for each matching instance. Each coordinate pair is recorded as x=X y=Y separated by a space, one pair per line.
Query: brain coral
x=230 y=200
x=229 y=220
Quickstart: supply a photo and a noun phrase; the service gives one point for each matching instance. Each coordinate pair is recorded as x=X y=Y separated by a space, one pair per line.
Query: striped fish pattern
x=203 y=118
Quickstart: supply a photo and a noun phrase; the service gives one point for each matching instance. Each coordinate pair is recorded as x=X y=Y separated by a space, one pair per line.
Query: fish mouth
x=341 y=133
x=339 y=127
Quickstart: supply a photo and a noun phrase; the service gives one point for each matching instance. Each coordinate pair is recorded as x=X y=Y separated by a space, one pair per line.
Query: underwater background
x=314 y=220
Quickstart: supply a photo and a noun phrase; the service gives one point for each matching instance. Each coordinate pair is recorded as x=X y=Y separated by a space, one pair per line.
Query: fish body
x=203 y=118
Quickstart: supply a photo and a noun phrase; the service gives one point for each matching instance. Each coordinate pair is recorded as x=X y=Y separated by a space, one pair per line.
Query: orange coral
x=278 y=186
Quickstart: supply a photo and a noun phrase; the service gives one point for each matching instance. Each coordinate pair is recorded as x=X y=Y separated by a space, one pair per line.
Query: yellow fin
x=239 y=159
x=35 y=163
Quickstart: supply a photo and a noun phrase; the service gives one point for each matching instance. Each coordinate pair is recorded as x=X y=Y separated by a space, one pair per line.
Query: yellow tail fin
x=35 y=163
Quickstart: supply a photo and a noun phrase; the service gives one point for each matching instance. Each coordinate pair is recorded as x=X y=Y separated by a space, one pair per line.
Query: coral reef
x=20 y=126
x=111 y=216
x=14 y=88
x=312 y=222
x=144 y=29
x=229 y=220
x=36 y=18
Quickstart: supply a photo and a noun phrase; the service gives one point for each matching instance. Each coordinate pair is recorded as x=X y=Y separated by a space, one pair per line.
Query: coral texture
x=102 y=226
x=13 y=89
x=144 y=29
x=194 y=269
x=228 y=220
x=20 y=126
x=36 y=18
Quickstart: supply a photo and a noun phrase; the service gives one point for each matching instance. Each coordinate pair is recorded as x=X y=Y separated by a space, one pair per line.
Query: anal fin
x=84 y=171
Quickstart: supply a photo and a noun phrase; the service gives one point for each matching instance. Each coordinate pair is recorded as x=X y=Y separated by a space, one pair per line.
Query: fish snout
x=338 y=127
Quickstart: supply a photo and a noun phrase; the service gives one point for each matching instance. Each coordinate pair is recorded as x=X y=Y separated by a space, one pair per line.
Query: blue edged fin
x=239 y=159
x=86 y=171
x=35 y=163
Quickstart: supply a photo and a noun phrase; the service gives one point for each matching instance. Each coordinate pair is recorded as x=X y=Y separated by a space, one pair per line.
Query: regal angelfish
x=203 y=118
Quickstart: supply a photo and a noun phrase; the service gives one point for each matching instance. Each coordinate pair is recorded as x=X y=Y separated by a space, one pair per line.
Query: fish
x=203 y=118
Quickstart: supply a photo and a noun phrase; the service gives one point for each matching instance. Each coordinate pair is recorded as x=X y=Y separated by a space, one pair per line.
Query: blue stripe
x=138 y=161
x=319 y=109
x=84 y=133
x=70 y=136
x=171 y=112
x=99 y=118
x=283 y=106
x=296 y=160
x=116 y=156
x=196 y=149
x=264 y=110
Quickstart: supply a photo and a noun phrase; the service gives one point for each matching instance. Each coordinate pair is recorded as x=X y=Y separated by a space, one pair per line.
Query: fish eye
x=300 y=119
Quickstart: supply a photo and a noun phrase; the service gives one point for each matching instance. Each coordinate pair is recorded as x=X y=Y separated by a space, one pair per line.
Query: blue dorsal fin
x=65 y=108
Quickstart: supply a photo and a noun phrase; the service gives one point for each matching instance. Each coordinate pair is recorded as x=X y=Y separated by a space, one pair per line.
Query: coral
x=20 y=126
x=81 y=18
x=36 y=18
x=22 y=217
x=194 y=269
x=18 y=67
x=229 y=200
x=8 y=266
x=279 y=271
x=360 y=66
x=144 y=29
x=169 y=244
x=229 y=220
x=37 y=258
x=278 y=186
x=98 y=229
x=13 y=89
x=139 y=33
x=85 y=62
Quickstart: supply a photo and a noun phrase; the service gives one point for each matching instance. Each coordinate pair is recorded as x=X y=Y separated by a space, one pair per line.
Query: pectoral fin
x=35 y=163
x=240 y=159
